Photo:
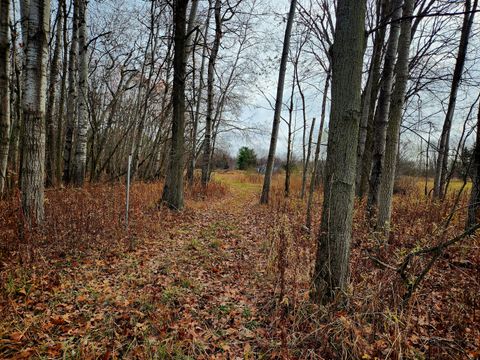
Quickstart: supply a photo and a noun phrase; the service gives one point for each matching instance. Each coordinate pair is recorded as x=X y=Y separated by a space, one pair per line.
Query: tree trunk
x=196 y=116
x=474 y=203
x=82 y=118
x=442 y=157
x=71 y=99
x=173 y=189
x=396 y=110
x=4 y=91
x=207 y=147
x=333 y=250
x=316 y=162
x=33 y=159
x=365 y=137
x=16 y=117
x=278 y=105
x=306 y=148
x=383 y=109
x=61 y=101
x=50 y=158
x=289 y=140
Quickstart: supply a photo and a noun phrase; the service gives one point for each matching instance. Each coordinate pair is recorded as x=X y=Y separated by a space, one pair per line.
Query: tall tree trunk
x=16 y=117
x=61 y=101
x=142 y=104
x=306 y=148
x=196 y=116
x=207 y=146
x=474 y=203
x=316 y=162
x=192 y=17
x=173 y=189
x=333 y=250
x=289 y=140
x=365 y=137
x=52 y=87
x=71 y=99
x=442 y=157
x=4 y=90
x=383 y=109
x=278 y=105
x=396 y=110
x=33 y=159
x=82 y=118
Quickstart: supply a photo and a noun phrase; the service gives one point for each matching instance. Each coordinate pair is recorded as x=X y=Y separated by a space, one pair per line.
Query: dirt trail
x=187 y=290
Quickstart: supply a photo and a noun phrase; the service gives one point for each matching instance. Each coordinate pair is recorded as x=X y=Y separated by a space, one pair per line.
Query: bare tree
x=333 y=251
x=82 y=118
x=71 y=98
x=34 y=103
x=4 y=90
x=207 y=146
x=51 y=138
x=395 y=119
x=474 y=203
x=369 y=99
x=383 y=108
x=443 y=148
x=173 y=189
x=278 y=105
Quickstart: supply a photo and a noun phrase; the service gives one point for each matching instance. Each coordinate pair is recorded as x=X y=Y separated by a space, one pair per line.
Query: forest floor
x=226 y=278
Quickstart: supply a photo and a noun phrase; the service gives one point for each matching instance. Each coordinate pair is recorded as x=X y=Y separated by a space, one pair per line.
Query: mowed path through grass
x=187 y=290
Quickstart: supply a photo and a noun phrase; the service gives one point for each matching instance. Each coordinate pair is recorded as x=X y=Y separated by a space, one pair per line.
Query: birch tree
x=34 y=103
x=4 y=90
x=82 y=118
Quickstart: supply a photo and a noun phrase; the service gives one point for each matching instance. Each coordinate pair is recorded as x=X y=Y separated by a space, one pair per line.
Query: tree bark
x=442 y=157
x=289 y=140
x=333 y=250
x=61 y=101
x=278 y=105
x=71 y=99
x=207 y=146
x=196 y=116
x=383 y=108
x=33 y=159
x=82 y=118
x=50 y=158
x=396 y=110
x=474 y=203
x=173 y=190
x=4 y=91
x=365 y=137
x=316 y=162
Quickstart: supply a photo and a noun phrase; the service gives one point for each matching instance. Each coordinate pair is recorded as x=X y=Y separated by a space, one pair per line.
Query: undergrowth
x=228 y=278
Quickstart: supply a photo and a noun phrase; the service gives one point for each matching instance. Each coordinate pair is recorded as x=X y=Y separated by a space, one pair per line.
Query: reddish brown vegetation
x=226 y=278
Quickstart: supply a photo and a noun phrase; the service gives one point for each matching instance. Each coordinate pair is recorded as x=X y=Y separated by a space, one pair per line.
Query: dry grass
x=227 y=278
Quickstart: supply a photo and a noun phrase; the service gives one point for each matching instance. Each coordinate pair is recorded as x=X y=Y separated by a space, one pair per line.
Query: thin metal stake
x=128 y=190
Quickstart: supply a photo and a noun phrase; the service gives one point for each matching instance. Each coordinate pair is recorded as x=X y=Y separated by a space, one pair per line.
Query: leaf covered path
x=188 y=289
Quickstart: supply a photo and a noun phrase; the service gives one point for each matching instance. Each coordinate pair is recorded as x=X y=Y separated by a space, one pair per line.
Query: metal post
x=127 y=204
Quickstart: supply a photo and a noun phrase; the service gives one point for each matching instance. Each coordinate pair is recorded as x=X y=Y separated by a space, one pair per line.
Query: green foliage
x=246 y=158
